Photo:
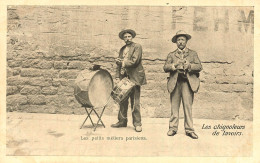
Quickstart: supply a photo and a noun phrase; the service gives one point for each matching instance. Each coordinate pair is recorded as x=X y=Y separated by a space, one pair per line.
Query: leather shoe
x=138 y=128
x=119 y=124
x=192 y=135
x=171 y=133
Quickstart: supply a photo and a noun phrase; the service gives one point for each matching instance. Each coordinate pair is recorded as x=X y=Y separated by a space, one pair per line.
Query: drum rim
x=106 y=72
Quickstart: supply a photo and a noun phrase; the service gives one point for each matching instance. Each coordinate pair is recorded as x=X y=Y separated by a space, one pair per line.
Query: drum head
x=100 y=88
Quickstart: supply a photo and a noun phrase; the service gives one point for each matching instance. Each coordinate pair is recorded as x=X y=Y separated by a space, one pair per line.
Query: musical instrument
x=93 y=88
x=181 y=71
x=122 y=90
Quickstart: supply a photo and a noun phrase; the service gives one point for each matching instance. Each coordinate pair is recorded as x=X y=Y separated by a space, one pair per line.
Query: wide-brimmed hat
x=132 y=32
x=180 y=33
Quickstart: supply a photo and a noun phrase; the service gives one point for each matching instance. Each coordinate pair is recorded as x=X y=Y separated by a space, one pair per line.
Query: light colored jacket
x=192 y=74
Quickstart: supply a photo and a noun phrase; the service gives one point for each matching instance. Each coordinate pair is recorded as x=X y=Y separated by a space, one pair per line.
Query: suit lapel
x=177 y=54
x=121 y=52
x=186 y=53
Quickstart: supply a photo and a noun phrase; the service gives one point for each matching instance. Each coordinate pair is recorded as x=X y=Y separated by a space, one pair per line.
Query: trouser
x=182 y=92
x=135 y=106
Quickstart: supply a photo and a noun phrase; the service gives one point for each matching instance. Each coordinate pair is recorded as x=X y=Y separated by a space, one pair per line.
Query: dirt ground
x=59 y=134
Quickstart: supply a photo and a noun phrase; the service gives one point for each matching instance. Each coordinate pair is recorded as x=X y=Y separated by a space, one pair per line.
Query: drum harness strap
x=124 y=116
x=125 y=55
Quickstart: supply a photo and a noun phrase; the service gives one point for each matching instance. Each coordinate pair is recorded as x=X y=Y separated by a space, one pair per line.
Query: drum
x=93 y=88
x=122 y=90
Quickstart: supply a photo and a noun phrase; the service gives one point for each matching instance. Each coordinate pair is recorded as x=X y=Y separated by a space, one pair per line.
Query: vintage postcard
x=123 y=80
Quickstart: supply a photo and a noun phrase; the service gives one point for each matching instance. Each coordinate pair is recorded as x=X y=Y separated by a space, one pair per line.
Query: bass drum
x=93 y=88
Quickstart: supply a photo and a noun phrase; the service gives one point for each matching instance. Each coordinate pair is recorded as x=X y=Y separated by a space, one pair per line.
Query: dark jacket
x=192 y=74
x=133 y=64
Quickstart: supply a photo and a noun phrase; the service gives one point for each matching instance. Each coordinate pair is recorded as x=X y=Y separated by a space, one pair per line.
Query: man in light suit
x=129 y=64
x=184 y=66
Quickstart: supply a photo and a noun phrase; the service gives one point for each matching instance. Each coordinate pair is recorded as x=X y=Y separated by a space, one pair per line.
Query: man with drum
x=129 y=64
x=184 y=67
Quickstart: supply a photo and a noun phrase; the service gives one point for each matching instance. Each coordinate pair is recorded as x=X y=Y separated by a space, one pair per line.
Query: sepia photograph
x=129 y=80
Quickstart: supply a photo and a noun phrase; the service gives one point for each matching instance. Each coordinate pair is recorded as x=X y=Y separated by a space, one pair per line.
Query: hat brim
x=132 y=32
x=174 y=39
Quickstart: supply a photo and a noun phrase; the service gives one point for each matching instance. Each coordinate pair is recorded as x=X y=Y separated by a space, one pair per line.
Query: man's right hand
x=178 y=66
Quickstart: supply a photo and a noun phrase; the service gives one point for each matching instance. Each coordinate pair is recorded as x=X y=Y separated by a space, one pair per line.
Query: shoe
x=138 y=128
x=119 y=124
x=171 y=133
x=192 y=135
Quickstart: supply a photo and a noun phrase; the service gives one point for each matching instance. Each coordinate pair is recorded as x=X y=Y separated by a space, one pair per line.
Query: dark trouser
x=135 y=106
x=182 y=92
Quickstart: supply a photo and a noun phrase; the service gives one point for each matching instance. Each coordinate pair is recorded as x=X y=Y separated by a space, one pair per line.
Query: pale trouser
x=182 y=92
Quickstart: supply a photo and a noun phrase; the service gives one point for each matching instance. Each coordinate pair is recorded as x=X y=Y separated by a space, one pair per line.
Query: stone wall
x=47 y=46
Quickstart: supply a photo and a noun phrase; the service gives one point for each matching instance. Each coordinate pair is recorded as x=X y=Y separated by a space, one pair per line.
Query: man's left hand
x=117 y=80
x=186 y=65
x=118 y=61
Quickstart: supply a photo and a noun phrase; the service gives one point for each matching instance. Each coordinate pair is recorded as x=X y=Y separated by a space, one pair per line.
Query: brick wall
x=47 y=46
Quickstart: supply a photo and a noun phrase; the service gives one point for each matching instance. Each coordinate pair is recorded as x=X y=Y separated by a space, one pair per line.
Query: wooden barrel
x=93 y=88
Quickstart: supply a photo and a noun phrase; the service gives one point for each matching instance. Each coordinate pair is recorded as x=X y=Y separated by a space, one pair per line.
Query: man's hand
x=117 y=80
x=186 y=65
x=119 y=61
x=179 y=65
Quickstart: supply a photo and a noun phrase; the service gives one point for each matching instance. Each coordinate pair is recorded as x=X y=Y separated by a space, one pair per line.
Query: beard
x=128 y=42
x=181 y=46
